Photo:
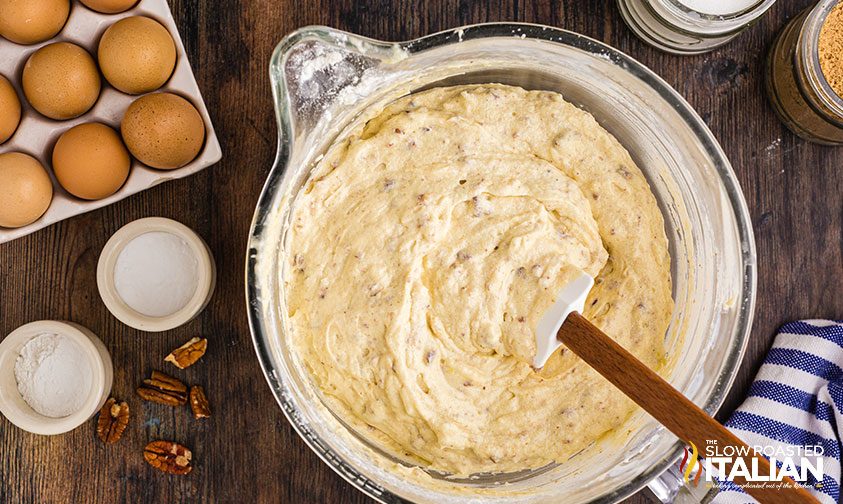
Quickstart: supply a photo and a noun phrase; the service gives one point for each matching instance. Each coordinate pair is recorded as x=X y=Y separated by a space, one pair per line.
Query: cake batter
x=426 y=246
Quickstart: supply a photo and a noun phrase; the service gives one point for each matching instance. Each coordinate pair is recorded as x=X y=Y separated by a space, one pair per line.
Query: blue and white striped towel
x=796 y=400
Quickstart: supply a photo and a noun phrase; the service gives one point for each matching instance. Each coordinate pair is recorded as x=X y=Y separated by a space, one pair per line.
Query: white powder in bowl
x=156 y=274
x=719 y=7
x=53 y=375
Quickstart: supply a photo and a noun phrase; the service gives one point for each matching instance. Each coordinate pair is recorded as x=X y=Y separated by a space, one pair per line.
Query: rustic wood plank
x=247 y=452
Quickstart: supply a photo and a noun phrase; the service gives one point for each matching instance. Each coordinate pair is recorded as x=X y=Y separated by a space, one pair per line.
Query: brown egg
x=61 y=81
x=9 y=109
x=137 y=55
x=32 y=21
x=90 y=161
x=163 y=130
x=25 y=190
x=109 y=6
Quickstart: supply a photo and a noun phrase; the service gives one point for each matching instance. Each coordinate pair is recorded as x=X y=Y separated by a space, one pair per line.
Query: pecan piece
x=157 y=396
x=168 y=456
x=163 y=389
x=187 y=354
x=199 y=403
x=112 y=421
x=166 y=382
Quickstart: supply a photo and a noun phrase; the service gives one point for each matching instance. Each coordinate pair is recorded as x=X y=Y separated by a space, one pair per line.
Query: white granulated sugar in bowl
x=156 y=274
x=53 y=375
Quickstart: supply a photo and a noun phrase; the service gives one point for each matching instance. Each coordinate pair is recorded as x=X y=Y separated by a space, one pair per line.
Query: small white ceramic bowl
x=118 y=307
x=12 y=404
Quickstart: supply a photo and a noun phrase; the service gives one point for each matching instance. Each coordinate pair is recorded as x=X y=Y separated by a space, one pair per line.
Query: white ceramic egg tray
x=36 y=135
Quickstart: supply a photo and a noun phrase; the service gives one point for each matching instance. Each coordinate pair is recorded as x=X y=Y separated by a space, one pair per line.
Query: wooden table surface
x=247 y=452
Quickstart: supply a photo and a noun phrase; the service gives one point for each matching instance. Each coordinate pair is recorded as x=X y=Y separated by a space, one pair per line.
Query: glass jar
x=798 y=90
x=690 y=26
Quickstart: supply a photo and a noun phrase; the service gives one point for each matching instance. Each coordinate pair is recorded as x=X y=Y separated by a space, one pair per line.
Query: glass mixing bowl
x=326 y=82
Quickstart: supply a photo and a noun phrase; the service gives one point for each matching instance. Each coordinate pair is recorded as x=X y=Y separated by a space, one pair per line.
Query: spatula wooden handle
x=666 y=404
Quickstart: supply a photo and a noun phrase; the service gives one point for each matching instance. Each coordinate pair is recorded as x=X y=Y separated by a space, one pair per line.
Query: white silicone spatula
x=563 y=324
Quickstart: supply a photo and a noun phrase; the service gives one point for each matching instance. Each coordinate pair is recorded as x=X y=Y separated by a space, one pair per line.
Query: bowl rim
x=500 y=30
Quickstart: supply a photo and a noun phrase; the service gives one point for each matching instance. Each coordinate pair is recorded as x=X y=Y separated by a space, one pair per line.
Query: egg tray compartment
x=37 y=135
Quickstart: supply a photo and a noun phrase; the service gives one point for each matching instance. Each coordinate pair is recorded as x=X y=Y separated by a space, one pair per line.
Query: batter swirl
x=426 y=246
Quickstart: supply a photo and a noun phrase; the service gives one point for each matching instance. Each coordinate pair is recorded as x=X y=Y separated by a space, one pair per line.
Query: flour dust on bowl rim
x=323 y=80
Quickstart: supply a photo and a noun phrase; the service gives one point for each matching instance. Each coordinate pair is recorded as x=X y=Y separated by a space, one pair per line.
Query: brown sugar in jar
x=831 y=49
x=804 y=75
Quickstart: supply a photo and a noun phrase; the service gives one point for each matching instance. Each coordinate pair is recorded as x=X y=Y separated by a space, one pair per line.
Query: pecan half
x=165 y=382
x=168 y=456
x=112 y=421
x=199 y=403
x=187 y=354
x=163 y=389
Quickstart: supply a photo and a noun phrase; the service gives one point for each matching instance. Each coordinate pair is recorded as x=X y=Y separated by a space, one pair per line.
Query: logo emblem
x=690 y=461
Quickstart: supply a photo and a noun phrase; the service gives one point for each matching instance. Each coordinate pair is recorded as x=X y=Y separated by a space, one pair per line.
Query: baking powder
x=53 y=375
x=156 y=274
